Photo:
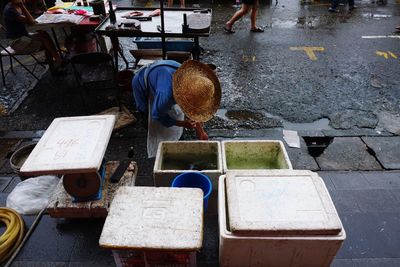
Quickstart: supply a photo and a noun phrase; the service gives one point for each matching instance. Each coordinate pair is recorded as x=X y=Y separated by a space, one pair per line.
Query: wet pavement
x=331 y=76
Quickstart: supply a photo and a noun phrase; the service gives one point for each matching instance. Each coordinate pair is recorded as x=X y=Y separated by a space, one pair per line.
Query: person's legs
x=240 y=13
x=182 y=3
x=334 y=4
x=170 y=3
x=351 y=4
x=253 y=16
x=53 y=57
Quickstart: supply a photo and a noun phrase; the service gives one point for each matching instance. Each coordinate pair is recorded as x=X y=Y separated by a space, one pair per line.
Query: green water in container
x=186 y=161
x=254 y=156
x=253 y=163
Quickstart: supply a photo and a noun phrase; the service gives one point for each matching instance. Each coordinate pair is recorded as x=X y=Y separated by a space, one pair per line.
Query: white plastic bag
x=29 y=197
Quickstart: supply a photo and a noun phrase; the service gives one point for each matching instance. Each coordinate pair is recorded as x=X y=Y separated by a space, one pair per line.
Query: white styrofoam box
x=254 y=154
x=288 y=202
x=186 y=153
x=71 y=145
x=154 y=218
x=265 y=249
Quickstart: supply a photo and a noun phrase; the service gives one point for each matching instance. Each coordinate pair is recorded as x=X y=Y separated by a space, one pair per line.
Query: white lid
x=280 y=202
x=71 y=145
x=160 y=218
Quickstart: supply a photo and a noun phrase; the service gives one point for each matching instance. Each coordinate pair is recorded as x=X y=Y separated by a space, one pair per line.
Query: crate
x=254 y=154
x=137 y=258
x=183 y=153
x=277 y=243
x=171 y=44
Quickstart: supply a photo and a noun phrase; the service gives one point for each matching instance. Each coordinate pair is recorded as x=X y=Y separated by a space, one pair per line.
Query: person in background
x=246 y=6
x=171 y=3
x=16 y=17
x=165 y=91
x=335 y=3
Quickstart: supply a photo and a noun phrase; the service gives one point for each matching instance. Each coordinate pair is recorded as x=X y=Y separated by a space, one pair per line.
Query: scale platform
x=62 y=205
x=74 y=147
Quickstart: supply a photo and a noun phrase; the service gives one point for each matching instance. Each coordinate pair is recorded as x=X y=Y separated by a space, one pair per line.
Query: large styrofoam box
x=254 y=154
x=277 y=218
x=176 y=157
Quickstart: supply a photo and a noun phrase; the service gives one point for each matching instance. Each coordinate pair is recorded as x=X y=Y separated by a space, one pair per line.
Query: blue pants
x=335 y=3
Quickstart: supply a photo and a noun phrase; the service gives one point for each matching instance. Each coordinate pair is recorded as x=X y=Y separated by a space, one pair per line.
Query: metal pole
x=162 y=28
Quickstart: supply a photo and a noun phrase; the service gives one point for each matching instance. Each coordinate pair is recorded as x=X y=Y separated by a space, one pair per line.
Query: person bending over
x=167 y=91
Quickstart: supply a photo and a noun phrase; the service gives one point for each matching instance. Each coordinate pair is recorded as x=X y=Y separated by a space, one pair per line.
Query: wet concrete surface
x=347 y=92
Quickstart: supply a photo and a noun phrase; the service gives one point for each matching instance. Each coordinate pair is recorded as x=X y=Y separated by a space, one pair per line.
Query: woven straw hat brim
x=200 y=110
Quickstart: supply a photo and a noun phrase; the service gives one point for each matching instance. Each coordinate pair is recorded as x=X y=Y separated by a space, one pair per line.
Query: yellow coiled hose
x=12 y=237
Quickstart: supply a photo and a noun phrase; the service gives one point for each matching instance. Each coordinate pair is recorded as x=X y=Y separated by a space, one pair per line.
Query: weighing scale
x=74 y=147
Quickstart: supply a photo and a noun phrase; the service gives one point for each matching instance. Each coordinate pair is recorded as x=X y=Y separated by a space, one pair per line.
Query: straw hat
x=196 y=90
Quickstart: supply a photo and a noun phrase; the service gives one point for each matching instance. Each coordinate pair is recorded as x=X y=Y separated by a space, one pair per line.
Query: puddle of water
x=286 y=24
x=376 y=16
x=322 y=124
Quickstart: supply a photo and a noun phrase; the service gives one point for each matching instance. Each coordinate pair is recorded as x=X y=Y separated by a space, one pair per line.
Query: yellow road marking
x=309 y=50
x=248 y=58
x=386 y=54
x=392 y=54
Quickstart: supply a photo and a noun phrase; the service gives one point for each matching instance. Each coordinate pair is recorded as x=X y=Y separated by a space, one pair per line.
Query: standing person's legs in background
x=351 y=5
x=240 y=13
x=334 y=4
x=253 y=18
x=171 y=3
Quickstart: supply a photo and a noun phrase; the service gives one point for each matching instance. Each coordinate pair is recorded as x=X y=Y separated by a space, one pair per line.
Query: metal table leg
x=56 y=42
x=196 y=49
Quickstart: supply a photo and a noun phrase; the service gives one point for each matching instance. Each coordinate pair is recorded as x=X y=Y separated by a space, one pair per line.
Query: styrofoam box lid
x=280 y=202
x=161 y=218
x=71 y=145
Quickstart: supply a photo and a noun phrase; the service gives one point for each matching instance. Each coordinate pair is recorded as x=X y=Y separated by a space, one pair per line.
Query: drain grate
x=317 y=144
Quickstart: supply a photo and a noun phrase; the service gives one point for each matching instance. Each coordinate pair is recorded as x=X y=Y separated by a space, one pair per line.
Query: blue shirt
x=15 y=29
x=159 y=86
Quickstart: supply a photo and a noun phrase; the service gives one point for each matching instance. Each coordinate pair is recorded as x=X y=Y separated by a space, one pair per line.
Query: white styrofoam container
x=254 y=154
x=150 y=226
x=258 y=249
x=71 y=145
x=191 y=150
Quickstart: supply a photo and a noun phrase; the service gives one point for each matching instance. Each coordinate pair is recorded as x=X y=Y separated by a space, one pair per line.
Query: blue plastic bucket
x=195 y=180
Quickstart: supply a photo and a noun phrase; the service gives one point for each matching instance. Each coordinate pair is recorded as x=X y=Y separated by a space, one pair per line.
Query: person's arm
x=25 y=17
x=200 y=132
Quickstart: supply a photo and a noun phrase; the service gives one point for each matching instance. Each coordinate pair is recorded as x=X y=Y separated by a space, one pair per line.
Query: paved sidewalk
x=368 y=203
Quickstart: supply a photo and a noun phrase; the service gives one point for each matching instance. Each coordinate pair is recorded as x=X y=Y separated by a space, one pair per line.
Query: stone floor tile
x=369 y=236
x=387 y=150
x=50 y=242
x=345 y=201
x=379 y=200
x=4 y=181
x=391 y=262
x=342 y=263
x=383 y=180
x=347 y=153
x=349 y=180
